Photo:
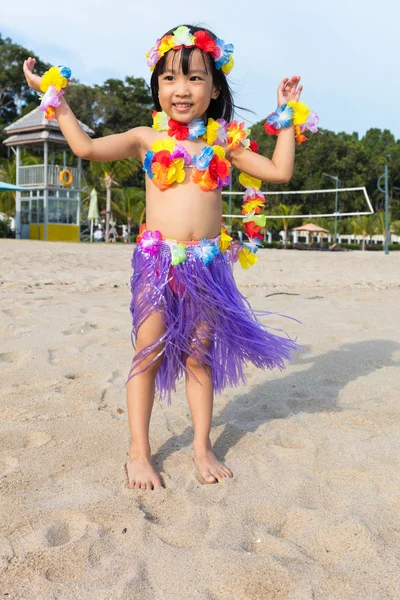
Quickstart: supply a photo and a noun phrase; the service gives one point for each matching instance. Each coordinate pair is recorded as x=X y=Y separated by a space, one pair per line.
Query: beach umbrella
x=93 y=211
x=4 y=187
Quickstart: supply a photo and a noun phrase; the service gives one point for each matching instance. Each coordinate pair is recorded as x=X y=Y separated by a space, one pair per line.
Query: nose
x=182 y=89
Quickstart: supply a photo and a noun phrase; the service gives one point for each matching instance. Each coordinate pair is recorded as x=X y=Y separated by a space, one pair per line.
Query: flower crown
x=221 y=52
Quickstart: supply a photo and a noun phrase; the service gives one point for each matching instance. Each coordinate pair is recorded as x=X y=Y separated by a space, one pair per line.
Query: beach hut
x=310 y=230
x=49 y=207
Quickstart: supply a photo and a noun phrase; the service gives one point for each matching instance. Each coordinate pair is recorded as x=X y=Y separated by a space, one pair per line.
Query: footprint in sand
x=8 y=464
x=35 y=439
x=13 y=358
x=14 y=312
x=61 y=528
x=81 y=329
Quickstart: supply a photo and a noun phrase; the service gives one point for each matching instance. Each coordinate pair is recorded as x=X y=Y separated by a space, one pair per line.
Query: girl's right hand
x=32 y=80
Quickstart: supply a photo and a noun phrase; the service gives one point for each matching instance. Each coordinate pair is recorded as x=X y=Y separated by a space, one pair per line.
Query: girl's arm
x=279 y=169
x=108 y=148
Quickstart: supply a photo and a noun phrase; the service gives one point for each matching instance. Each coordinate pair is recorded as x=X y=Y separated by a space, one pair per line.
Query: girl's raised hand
x=32 y=80
x=288 y=90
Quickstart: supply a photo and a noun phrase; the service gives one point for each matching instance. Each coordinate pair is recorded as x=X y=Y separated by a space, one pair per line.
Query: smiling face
x=186 y=97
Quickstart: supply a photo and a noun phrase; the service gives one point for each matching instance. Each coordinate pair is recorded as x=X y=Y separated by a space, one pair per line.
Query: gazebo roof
x=33 y=128
x=310 y=227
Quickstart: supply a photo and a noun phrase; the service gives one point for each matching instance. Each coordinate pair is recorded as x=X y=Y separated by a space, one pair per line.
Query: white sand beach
x=313 y=509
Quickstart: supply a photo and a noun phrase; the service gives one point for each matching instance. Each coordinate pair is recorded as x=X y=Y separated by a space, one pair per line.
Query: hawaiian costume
x=191 y=283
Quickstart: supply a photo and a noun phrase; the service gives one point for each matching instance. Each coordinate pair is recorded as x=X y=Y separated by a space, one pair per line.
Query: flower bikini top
x=166 y=161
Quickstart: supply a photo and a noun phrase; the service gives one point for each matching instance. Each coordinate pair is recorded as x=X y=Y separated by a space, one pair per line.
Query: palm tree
x=365 y=225
x=381 y=224
x=109 y=172
x=395 y=227
x=130 y=206
x=8 y=171
x=285 y=222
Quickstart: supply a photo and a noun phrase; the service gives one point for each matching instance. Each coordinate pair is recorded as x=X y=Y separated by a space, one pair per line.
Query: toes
x=210 y=478
x=217 y=475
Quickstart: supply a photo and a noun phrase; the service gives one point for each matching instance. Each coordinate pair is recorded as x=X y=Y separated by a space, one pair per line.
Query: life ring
x=70 y=177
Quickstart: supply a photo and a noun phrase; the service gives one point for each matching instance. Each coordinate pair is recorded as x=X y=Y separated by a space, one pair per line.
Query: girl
x=188 y=317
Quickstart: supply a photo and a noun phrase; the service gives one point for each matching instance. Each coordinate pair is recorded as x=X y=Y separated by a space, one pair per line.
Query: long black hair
x=221 y=107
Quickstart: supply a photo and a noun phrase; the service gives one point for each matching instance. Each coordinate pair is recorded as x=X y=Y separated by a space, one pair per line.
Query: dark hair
x=221 y=107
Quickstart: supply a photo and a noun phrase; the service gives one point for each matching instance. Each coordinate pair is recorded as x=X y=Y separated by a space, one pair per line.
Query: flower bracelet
x=293 y=113
x=54 y=82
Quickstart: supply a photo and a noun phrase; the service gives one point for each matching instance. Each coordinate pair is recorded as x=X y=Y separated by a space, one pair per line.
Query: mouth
x=182 y=106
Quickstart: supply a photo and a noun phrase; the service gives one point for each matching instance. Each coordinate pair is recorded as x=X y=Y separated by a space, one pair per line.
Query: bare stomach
x=185 y=214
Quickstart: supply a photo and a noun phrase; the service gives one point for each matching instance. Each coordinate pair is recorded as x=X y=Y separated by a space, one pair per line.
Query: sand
x=312 y=512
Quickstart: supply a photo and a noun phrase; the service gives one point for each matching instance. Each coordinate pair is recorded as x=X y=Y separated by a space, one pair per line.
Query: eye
x=168 y=78
x=194 y=77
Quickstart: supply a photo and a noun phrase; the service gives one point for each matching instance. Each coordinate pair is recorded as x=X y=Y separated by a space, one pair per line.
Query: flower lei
x=220 y=52
x=293 y=113
x=54 y=82
x=166 y=160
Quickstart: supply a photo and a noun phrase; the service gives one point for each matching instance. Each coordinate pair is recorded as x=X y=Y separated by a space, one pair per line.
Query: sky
x=346 y=51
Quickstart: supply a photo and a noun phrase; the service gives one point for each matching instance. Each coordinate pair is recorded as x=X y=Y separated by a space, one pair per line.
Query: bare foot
x=141 y=474
x=209 y=467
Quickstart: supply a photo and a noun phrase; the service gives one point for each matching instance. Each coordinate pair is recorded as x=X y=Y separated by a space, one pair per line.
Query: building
x=51 y=206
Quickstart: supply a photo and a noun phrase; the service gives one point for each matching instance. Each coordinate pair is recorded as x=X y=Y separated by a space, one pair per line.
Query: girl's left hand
x=288 y=90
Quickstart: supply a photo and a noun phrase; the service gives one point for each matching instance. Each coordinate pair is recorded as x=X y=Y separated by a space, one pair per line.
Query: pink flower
x=150 y=242
x=311 y=123
x=51 y=98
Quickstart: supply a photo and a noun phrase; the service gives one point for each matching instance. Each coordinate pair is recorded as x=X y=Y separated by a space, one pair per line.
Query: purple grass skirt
x=198 y=299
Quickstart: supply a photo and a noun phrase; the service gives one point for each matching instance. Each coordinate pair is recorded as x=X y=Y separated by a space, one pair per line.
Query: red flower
x=218 y=168
x=270 y=129
x=163 y=157
x=252 y=230
x=177 y=129
x=254 y=146
x=204 y=41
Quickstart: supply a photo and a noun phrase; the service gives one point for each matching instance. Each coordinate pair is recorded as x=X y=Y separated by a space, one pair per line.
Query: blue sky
x=347 y=52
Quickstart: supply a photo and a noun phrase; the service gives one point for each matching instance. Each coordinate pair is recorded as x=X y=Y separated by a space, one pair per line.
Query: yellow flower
x=301 y=111
x=237 y=133
x=247 y=258
x=227 y=68
x=167 y=144
x=224 y=240
x=167 y=42
x=160 y=121
x=249 y=181
x=177 y=170
x=53 y=77
x=211 y=131
x=219 y=151
x=251 y=206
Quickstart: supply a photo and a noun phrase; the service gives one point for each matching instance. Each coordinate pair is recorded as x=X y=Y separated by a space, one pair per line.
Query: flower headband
x=221 y=52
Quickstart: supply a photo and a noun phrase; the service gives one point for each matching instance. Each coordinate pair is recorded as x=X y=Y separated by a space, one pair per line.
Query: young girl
x=188 y=316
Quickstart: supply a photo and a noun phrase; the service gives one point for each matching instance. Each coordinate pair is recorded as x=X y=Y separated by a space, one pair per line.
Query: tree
x=8 y=170
x=130 y=206
x=109 y=173
x=365 y=225
x=285 y=222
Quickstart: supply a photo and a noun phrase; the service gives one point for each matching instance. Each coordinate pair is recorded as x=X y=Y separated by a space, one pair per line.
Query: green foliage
x=119 y=105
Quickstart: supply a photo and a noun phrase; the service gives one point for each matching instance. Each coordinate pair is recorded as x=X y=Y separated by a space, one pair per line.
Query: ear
x=215 y=93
